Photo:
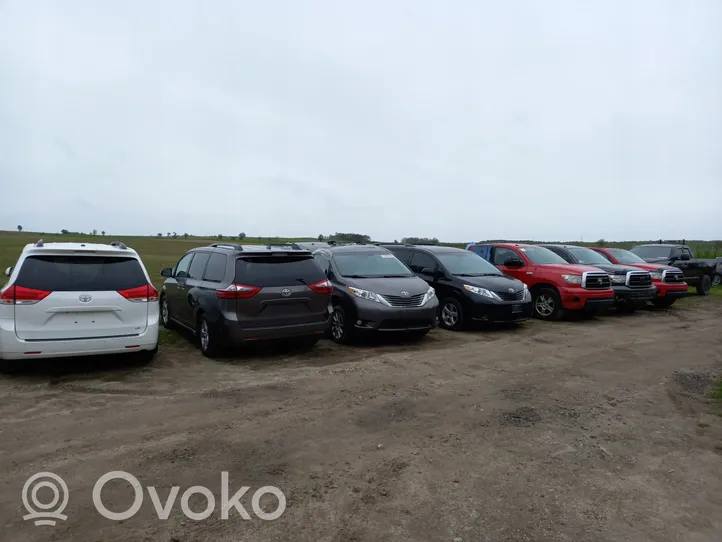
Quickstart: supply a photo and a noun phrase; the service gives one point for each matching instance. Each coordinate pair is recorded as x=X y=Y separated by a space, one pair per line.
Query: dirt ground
x=572 y=431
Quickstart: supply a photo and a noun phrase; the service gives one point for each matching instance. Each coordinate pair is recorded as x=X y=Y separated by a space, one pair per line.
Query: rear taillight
x=323 y=287
x=141 y=294
x=19 y=295
x=237 y=291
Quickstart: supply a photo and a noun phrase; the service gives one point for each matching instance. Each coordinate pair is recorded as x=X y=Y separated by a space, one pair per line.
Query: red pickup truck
x=556 y=286
x=668 y=280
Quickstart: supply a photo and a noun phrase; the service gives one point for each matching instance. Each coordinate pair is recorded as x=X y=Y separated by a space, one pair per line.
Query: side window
x=420 y=260
x=322 y=262
x=216 y=269
x=502 y=254
x=676 y=252
x=688 y=252
x=181 y=269
x=403 y=254
x=562 y=253
x=198 y=265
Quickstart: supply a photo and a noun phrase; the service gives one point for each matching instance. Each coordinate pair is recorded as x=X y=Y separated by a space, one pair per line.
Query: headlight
x=481 y=291
x=656 y=275
x=365 y=294
x=572 y=279
x=430 y=294
x=618 y=279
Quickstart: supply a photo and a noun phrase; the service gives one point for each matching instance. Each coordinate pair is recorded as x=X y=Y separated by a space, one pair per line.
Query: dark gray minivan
x=374 y=291
x=229 y=293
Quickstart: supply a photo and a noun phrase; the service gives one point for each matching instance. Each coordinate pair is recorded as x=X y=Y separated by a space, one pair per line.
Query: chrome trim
x=585 y=274
x=630 y=273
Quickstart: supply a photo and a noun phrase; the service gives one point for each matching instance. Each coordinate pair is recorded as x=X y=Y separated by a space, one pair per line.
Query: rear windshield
x=652 y=252
x=624 y=256
x=270 y=271
x=80 y=273
x=370 y=265
x=542 y=256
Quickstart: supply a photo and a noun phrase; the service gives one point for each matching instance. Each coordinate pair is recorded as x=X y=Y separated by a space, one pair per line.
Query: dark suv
x=374 y=291
x=228 y=293
x=468 y=287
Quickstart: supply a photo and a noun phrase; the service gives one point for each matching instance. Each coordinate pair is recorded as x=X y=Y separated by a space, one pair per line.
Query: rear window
x=80 y=273
x=270 y=271
x=652 y=251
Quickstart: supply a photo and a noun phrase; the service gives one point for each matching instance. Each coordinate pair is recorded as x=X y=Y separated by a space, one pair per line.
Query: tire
x=705 y=285
x=451 y=314
x=208 y=338
x=663 y=303
x=341 y=330
x=165 y=317
x=547 y=304
x=717 y=279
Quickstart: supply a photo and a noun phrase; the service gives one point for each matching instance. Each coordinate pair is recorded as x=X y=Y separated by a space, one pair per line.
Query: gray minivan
x=230 y=293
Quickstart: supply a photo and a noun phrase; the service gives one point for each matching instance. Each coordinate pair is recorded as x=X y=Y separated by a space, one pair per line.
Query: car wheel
x=663 y=303
x=341 y=329
x=451 y=314
x=717 y=279
x=705 y=285
x=165 y=317
x=208 y=339
x=547 y=304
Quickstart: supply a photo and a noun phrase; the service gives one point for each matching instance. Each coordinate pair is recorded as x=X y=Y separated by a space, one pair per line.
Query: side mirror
x=167 y=272
x=428 y=271
x=8 y=271
x=513 y=262
x=684 y=257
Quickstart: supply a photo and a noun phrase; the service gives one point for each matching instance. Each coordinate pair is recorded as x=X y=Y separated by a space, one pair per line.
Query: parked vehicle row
x=68 y=299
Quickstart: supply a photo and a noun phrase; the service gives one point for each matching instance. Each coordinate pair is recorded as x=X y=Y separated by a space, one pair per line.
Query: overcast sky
x=461 y=119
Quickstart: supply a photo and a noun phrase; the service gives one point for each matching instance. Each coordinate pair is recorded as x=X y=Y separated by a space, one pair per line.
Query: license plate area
x=515 y=309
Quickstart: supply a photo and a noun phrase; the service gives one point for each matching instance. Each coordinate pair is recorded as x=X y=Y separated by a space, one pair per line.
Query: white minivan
x=77 y=299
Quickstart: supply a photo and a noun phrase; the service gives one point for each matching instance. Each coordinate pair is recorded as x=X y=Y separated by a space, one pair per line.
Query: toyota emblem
x=511 y=290
x=405 y=293
x=285 y=292
x=85 y=298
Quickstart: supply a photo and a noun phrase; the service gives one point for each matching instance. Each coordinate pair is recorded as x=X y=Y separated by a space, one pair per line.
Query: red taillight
x=141 y=294
x=238 y=291
x=323 y=287
x=19 y=295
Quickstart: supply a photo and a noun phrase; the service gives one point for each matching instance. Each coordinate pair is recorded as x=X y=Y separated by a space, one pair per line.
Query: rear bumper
x=578 y=298
x=236 y=334
x=12 y=348
x=382 y=318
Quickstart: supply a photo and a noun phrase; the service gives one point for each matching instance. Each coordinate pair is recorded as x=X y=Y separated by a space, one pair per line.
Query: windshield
x=542 y=256
x=370 y=264
x=652 y=251
x=624 y=256
x=466 y=263
x=587 y=256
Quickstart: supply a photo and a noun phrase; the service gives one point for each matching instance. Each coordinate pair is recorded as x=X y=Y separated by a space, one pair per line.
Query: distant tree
x=320 y=237
x=396 y=242
x=20 y=228
x=95 y=232
x=420 y=240
x=102 y=232
x=350 y=237
x=175 y=235
x=242 y=236
x=220 y=236
x=601 y=242
x=185 y=236
x=64 y=231
x=160 y=235
x=167 y=234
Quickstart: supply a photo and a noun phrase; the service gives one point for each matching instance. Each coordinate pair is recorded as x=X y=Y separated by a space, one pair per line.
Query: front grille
x=511 y=296
x=639 y=279
x=675 y=277
x=596 y=281
x=401 y=301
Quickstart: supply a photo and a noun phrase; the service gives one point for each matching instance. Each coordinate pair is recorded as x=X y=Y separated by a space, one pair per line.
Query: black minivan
x=468 y=287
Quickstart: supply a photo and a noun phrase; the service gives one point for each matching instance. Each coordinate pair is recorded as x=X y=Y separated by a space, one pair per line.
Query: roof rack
x=229 y=245
x=673 y=242
x=116 y=244
x=294 y=246
x=39 y=243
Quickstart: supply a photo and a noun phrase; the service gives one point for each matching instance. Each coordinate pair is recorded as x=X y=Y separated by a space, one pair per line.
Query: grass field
x=158 y=253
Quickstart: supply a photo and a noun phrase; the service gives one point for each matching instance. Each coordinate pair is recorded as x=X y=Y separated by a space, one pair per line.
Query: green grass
x=716 y=393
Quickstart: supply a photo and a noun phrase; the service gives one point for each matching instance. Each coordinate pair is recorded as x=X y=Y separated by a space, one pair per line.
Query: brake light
x=237 y=291
x=19 y=295
x=141 y=294
x=323 y=287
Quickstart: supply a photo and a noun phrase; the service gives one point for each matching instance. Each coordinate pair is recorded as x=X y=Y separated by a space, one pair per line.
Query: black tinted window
x=403 y=254
x=181 y=270
x=216 y=270
x=421 y=260
x=502 y=254
x=80 y=273
x=277 y=271
x=198 y=265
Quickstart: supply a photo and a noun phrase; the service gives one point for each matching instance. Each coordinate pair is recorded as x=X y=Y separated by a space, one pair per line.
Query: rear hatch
x=80 y=297
x=284 y=298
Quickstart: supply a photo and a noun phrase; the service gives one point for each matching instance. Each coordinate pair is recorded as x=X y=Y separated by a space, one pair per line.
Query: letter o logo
x=137 y=499
x=256 y=503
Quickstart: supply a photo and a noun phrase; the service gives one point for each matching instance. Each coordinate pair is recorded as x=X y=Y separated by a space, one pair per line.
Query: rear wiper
x=302 y=281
